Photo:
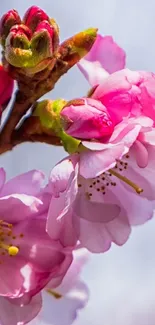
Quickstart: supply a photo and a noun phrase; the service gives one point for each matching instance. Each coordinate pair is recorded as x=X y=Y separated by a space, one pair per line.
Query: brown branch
x=26 y=96
x=20 y=106
x=16 y=140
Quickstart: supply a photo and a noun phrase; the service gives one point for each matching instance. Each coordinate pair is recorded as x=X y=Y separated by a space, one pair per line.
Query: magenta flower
x=6 y=88
x=104 y=57
x=61 y=305
x=25 y=247
x=86 y=118
x=101 y=192
x=124 y=92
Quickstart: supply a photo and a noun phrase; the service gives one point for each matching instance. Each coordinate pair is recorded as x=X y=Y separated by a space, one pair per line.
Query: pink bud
x=8 y=20
x=21 y=30
x=45 y=26
x=86 y=119
x=6 y=87
x=33 y=16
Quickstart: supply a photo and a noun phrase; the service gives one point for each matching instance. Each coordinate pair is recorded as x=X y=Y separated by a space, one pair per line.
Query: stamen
x=54 y=294
x=12 y=250
x=5 y=224
x=127 y=181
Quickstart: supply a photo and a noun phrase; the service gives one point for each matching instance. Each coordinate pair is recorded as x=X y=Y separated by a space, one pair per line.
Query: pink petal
x=2 y=178
x=6 y=86
x=94 y=163
x=60 y=175
x=143 y=177
x=96 y=211
x=105 y=56
x=46 y=258
x=147 y=137
x=63 y=311
x=28 y=183
x=12 y=314
x=119 y=94
x=17 y=207
x=8 y=287
x=73 y=273
x=141 y=154
x=60 y=225
x=124 y=132
x=94 y=236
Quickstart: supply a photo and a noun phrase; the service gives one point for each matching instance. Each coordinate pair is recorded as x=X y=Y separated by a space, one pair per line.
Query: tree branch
x=16 y=140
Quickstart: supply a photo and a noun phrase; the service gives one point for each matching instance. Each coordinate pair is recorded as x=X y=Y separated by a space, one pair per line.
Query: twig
x=16 y=140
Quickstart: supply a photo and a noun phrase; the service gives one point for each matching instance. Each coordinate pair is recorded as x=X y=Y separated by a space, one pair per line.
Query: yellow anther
x=13 y=250
x=127 y=181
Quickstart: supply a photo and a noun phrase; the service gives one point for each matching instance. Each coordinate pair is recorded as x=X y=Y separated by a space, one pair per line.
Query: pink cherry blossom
x=29 y=258
x=86 y=118
x=104 y=57
x=126 y=93
x=99 y=193
x=123 y=92
x=61 y=305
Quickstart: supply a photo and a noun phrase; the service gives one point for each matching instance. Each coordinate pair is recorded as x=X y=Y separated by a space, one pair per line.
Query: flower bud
x=73 y=49
x=86 y=118
x=6 y=87
x=31 y=51
x=42 y=40
x=33 y=16
x=8 y=20
x=17 y=51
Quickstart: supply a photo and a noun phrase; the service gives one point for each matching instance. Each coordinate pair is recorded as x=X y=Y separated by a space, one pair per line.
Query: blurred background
x=122 y=281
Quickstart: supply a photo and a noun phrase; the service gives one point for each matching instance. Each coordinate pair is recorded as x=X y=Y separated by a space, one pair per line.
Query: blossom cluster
x=95 y=195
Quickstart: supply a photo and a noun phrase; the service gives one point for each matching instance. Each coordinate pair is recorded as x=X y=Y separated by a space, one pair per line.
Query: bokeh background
x=122 y=281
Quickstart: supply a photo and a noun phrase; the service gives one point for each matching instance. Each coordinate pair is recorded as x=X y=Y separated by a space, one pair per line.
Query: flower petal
x=10 y=269
x=143 y=177
x=63 y=311
x=119 y=94
x=12 y=314
x=73 y=274
x=28 y=183
x=17 y=207
x=104 y=57
x=94 y=163
x=60 y=175
x=60 y=225
x=46 y=258
x=2 y=178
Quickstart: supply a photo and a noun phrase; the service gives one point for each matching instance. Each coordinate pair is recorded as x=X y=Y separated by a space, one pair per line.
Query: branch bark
x=16 y=140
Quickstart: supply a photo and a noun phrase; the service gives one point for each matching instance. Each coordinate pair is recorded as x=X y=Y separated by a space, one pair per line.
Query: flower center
x=6 y=240
x=109 y=178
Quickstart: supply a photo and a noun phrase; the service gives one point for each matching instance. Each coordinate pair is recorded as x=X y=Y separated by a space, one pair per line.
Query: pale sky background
x=122 y=281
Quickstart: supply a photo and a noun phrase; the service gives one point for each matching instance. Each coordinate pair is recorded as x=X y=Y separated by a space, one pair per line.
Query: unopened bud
x=8 y=20
x=86 y=119
x=42 y=40
x=33 y=16
x=76 y=47
x=17 y=50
